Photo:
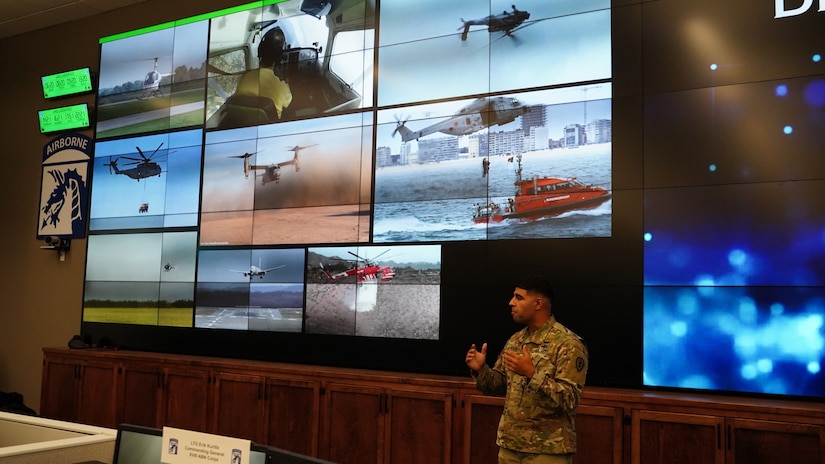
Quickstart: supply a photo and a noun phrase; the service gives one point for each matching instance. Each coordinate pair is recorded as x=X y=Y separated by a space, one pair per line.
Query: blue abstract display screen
x=734 y=215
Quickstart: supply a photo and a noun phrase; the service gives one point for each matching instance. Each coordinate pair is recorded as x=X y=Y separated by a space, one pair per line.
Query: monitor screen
x=72 y=82
x=65 y=118
x=137 y=444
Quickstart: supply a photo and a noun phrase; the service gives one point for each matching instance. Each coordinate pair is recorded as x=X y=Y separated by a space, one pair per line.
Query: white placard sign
x=188 y=447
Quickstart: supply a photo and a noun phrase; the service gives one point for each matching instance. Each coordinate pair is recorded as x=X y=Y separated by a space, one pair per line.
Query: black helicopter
x=143 y=167
x=505 y=22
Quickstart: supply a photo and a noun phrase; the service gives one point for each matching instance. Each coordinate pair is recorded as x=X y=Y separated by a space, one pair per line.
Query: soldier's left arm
x=560 y=376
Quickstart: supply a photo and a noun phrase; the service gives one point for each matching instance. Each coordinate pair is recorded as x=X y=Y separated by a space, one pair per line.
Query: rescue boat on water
x=541 y=197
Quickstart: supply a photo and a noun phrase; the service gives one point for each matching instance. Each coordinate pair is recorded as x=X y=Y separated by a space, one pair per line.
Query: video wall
x=369 y=199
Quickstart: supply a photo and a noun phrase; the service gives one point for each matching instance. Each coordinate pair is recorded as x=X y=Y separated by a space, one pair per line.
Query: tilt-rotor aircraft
x=256 y=271
x=505 y=22
x=272 y=172
x=481 y=113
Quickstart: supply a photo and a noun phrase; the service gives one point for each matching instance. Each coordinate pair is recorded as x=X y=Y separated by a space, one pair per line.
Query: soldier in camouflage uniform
x=541 y=372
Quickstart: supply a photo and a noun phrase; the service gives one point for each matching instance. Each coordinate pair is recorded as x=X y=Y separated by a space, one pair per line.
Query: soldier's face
x=523 y=306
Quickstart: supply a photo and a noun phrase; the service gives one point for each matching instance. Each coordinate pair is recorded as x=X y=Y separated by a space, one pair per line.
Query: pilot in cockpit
x=262 y=82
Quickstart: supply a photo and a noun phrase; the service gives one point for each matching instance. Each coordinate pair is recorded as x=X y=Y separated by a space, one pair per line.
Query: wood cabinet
x=599 y=431
x=293 y=414
x=359 y=416
x=185 y=398
x=370 y=424
x=239 y=406
x=81 y=390
x=764 y=442
x=282 y=412
x=599 y=435
x=481 y=417
x=139 y=394
x=664 y=437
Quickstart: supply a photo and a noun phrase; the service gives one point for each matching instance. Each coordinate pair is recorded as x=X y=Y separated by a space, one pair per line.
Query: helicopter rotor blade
x=156 y=150
x=245 y=155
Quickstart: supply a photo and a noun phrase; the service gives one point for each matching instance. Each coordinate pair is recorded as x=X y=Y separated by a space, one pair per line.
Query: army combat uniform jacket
x=539 y=412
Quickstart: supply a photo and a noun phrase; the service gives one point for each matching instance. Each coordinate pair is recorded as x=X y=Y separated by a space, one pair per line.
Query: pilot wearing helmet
x=263 y=82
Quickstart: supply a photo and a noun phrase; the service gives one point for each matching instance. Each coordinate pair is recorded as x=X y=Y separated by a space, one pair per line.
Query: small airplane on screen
x=481 y=113
x=143 y=167
x=256 y=271
x=272 y=172
x=369 y=272
x=505 y=22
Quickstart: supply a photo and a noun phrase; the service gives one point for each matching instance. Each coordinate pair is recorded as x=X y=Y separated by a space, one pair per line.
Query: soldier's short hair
x=536 y=283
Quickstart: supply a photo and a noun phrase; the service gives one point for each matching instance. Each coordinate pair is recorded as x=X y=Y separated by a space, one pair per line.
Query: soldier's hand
x=475 y=359
x=520 y=363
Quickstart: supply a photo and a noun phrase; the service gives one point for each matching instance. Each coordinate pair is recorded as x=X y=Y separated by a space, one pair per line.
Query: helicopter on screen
x=151 y=83
x=364 y=270
x=481 y=113
x=272 y=172
x=144 y=166
x=505 y=22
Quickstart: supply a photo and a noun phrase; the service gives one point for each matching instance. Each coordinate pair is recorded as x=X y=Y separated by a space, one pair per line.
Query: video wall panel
x=316 y=176
x=409 y=160
x=734 y=107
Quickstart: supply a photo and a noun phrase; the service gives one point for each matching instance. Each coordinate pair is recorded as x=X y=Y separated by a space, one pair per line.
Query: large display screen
x=359 y=183
x=287 y=171
x=733 y=211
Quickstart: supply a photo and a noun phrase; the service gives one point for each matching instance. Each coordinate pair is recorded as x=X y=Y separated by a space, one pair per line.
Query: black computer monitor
x=137 y=444
x=281 y=456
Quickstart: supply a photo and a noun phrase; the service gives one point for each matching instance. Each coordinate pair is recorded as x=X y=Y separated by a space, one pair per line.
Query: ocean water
x=435 y=202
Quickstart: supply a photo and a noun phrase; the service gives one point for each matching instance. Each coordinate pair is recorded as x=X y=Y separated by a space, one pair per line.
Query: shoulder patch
x=579 y=363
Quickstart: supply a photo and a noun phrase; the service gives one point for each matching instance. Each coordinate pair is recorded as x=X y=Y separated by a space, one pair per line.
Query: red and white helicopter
x=365 y=270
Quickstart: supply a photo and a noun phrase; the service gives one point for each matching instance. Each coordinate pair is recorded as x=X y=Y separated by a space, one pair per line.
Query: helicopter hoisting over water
x=481 y=113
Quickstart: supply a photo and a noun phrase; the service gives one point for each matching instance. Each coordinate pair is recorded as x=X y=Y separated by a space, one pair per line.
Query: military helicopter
x=272 y=172
x=505 y=22
x=479 y=114
x=143 y=167
x=368 y=272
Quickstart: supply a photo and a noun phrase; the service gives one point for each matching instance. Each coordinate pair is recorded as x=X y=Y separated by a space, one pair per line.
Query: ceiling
x=21 y=16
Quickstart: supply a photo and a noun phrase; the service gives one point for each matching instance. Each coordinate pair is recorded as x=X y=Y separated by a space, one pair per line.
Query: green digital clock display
x=67 y=83
x=64 y=118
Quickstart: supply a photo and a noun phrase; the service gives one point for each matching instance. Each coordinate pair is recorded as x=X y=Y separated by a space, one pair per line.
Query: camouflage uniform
x=539 y=413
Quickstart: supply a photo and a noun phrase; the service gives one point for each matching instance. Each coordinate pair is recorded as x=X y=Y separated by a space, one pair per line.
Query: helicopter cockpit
x=318 y=81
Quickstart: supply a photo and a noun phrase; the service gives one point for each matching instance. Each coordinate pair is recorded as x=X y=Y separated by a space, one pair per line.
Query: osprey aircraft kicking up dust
x=272 y=172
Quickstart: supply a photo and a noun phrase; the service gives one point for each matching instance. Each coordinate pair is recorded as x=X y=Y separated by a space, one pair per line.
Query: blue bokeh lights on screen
x=734 y=242
x=739 y=339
